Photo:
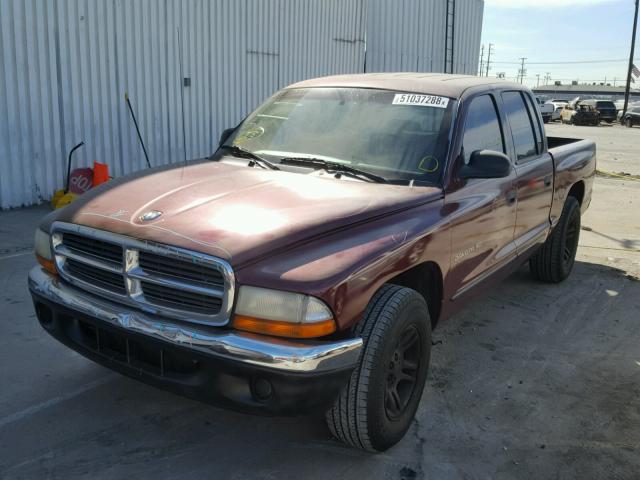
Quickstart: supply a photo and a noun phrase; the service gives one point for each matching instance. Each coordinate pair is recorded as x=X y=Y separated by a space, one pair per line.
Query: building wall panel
x=409 y=35
x=65 y=66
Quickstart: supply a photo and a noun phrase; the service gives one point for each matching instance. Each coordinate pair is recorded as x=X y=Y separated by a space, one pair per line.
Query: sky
x=560 y=31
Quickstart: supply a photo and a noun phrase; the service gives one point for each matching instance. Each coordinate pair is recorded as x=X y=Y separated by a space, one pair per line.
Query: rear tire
x=554 y=260
x=376 y=408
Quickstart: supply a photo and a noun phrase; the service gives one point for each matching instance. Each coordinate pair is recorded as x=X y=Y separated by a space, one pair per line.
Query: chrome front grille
x=106 y=251
x=171 y=298
x=95 y=276
x=181 y=270
x=157 y=278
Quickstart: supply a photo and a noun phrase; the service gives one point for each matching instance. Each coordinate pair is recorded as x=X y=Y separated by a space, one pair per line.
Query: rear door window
x=519 y=120
x=482 y=128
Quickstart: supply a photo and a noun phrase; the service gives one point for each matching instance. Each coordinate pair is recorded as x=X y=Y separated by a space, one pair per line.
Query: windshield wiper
x=319 y=164
x=242 y=153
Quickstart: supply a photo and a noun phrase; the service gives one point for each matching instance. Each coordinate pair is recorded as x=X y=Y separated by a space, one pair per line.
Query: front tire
x=554 y=261
x=628 y=123
x=375 y=409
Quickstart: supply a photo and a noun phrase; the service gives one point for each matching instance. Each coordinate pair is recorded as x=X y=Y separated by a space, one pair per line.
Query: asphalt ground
x=530 y=381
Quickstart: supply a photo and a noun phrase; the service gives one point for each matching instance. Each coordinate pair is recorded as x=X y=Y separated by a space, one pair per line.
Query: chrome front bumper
x=266 y=352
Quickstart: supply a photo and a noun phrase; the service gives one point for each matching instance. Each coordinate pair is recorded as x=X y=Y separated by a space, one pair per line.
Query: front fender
x=347 y=267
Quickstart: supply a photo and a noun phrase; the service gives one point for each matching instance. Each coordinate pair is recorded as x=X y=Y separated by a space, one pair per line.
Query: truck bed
x=574 y=160
x=554 y=142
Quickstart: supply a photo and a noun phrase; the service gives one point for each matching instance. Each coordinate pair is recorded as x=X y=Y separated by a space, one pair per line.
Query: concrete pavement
x=531 y=381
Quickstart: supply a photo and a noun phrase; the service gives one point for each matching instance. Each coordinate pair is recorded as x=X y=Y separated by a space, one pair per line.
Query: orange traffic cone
x=100 y=173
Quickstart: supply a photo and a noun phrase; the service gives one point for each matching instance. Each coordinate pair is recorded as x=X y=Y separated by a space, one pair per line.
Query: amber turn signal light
x=48 y=265
x=284 y=329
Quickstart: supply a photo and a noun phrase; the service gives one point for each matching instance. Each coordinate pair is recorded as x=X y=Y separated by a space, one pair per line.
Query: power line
x=572 y=62
x=583 y=79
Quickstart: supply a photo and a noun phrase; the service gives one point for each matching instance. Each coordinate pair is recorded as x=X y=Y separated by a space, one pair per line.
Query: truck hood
x=235 y=212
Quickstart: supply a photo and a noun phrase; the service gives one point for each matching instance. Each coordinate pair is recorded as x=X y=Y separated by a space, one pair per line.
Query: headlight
x=42 y=248
x=283 y=314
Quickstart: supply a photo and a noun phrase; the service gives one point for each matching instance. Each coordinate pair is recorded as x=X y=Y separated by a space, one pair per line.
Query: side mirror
x=225 y=135
x=486 y=164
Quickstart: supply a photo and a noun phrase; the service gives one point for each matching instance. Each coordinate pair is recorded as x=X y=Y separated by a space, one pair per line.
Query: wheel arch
x=425 y=278
x=577 y=191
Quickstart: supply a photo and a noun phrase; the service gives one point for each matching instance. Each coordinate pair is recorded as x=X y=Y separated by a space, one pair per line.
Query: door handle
x=547 y=180
x=511 y=196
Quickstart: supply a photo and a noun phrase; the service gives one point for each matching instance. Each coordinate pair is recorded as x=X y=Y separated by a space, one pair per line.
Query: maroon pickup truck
x=304 y=265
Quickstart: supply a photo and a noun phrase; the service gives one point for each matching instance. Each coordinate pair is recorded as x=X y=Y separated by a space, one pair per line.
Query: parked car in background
x=556 y=114
x=620 y=106
x=631 y=118
x=577 y=113
x=558 y=105
x=606 y=108
x=546 y=109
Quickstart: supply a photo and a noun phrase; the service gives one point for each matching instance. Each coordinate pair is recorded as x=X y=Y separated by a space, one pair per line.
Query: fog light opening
x=262 y=389
x=45 y=315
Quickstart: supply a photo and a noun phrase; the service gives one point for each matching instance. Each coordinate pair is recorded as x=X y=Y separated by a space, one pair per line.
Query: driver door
x=483 y=214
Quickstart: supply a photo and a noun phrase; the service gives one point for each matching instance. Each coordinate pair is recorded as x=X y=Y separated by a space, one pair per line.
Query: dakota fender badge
x=465 y=253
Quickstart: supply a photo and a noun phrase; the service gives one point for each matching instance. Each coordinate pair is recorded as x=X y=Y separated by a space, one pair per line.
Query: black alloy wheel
x=554 y=260
x=402 y=371
x=376 y=408
x=571 y=237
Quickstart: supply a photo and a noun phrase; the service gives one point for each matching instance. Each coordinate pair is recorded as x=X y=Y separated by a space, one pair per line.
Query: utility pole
x=489 y=58
x=633 y=44
x=522 y=69
x=547 y=78
x=537 y=80
x=481 y=58
x=614 y=81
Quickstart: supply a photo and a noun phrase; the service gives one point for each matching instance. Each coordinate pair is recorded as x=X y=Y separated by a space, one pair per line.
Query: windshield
x=399 y=136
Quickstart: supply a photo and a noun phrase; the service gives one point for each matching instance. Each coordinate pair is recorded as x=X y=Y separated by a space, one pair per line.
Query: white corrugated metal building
x=66 y=64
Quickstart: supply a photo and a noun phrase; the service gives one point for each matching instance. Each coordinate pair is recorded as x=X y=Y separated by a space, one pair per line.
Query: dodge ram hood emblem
x=150 y=215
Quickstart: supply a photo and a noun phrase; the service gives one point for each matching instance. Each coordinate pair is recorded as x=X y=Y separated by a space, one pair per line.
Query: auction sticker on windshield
x=422 y=100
